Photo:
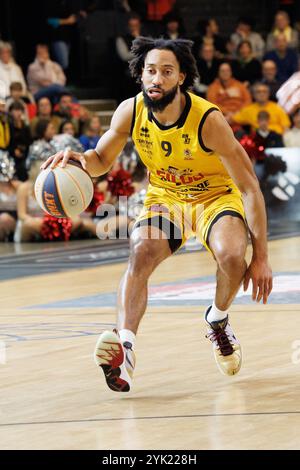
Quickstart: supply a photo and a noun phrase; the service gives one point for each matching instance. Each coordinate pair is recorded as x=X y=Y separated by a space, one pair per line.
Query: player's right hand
x=63 y=157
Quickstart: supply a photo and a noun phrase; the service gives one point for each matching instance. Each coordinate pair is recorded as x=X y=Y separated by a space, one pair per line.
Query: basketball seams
x=77 y=185
x=78 y=165
x=39 y=193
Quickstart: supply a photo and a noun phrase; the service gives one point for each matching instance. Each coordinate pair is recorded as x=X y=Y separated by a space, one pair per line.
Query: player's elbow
x=96 y=165
x=96 y=170
x=251 y=188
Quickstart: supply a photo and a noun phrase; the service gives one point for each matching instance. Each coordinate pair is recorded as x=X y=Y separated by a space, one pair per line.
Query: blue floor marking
x=191 y=292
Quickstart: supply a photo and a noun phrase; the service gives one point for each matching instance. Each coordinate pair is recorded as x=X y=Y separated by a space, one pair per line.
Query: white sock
x=127 y=335
x=215 y=314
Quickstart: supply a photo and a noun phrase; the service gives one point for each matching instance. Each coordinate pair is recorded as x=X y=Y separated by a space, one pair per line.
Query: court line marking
x=97 y=420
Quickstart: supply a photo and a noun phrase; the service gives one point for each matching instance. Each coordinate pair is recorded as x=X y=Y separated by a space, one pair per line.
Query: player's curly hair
x=182 y=49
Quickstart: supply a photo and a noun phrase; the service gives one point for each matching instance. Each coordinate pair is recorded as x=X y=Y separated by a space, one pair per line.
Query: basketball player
x=194 y=163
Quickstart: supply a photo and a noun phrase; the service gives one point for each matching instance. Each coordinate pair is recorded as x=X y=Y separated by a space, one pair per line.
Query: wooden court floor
x=54 y=397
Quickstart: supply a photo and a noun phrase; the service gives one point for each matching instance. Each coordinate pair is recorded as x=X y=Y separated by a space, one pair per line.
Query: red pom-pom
x=97 y=200
x=120 y=183
x=253 y=145
x=56 y=229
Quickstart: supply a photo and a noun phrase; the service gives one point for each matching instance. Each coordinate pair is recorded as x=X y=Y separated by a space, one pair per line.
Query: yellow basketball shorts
x=181 y=219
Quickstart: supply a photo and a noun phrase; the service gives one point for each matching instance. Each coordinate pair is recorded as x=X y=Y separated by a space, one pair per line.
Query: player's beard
x=160 y=104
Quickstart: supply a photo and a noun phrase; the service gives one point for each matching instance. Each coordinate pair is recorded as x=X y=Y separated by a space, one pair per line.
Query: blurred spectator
x=49 y=143
x=66 y=140
x=67 y=127
x=208 y=34
x=285 y=58
x=9 y=71
x=92 y=133
x=129 y=6
x=45 y=77
x=291 y=7
x=291 y=137
x=156 y=10
x=4 y=126
x=282 y=26
x=126 y=84
x=123 y=43
x=67 y=109
x=20 y=139
x=247 y=68
x=269 y=72
x=41 y=148
x=230 y=51
x=244 y=32
x=45 y=130
x=62 y=16
x=8 y=201
x=229 y=94
x=44 y=111
x=173 y=26
x=267 y=137
x=279 y=120
x=16 y=96
x=207 y=65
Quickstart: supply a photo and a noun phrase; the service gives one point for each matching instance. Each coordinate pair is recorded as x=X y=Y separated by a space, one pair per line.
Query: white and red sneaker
x=116 y=359
x=227 y=349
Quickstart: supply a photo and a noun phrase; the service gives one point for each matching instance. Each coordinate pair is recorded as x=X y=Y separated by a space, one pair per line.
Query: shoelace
x=223 y=341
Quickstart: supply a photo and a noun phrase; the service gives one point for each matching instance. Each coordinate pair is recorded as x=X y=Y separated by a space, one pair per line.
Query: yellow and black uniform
x=188 y=184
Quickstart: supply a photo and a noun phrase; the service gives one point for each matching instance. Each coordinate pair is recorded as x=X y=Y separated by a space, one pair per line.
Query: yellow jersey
x=176 y=156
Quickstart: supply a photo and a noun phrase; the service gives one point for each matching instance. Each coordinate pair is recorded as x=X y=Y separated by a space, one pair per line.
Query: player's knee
x=230 y=260
x=143 y=258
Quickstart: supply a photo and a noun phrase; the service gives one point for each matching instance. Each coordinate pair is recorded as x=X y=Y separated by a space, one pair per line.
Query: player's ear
x=181 y=78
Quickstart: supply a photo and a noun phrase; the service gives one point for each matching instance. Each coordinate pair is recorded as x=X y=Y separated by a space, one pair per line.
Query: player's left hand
x=262 y=281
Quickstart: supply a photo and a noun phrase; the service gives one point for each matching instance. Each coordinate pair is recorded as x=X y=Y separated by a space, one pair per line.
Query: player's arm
x=218 y=136
x=99 y=161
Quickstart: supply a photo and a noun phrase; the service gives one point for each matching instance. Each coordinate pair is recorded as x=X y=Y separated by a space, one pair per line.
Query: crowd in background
x=38 y=115
x=241 y=73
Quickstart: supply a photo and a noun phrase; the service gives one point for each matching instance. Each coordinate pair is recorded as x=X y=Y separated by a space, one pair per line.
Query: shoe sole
x=233 y=371
x=109 y=355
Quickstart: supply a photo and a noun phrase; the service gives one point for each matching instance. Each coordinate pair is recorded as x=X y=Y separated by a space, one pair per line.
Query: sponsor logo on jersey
x=144 y=132
x=145 y=143
x=188 y=154
x=146 y=147
x=186 y=139
x=173 y=176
